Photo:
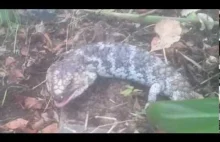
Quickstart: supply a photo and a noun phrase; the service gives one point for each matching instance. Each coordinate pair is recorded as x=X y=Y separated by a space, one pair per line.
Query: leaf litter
x=39 y=45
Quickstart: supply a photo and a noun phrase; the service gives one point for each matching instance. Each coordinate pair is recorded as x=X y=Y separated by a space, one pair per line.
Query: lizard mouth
x=63 y=102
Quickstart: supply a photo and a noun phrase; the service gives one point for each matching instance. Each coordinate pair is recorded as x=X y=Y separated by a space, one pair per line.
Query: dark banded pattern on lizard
x=70 y=77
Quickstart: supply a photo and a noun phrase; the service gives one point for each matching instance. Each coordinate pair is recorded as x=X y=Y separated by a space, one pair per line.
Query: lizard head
x=68 y=81
x=59 y=82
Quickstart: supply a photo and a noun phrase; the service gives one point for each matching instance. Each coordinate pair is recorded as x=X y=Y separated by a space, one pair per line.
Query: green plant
x=189 y=116
x=129 y=90
x=9 y=18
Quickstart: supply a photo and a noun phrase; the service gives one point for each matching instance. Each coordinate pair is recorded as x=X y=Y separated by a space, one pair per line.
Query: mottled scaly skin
x=70 y=77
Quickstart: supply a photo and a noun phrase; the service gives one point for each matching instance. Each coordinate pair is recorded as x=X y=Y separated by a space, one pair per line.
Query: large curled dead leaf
x=169 y=32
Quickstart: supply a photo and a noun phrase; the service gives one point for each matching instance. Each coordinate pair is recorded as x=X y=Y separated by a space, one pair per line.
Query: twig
x=67 y=34
x=149 y=19
x=137 y=115
x=118 y=105
x=149 y=12
x=86 y=120
x=104 y=117
x=112 y=101
x=192 y=61
x=113 y=126
x=48 y=103
x=39 y=84
x=73 y=131
x=145 y=28
x=16 y=33
x=110 y=125
x=165 y=57
x=209 y=79
x=125 y=38
x=5 y=94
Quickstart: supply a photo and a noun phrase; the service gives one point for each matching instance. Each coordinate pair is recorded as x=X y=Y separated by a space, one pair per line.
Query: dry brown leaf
x=9 y=61
x=168 y=28
x=155 y=44
x=24 y=51
x=18 y=73
x=169 y=32
x=32 y=103
x=15 y=75
x=53 y=128
x=15 y=124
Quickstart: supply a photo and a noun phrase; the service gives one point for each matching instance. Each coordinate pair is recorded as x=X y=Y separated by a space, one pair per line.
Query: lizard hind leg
x=79 y=84
x=154 y=91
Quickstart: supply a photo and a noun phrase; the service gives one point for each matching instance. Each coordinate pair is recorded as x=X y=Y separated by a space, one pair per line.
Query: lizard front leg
x=154 y=91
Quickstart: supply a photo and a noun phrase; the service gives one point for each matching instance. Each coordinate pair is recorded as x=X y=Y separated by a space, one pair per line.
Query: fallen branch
x=146 y=19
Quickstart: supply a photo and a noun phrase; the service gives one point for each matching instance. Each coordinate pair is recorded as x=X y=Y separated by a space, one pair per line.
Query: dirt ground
x=27 y=107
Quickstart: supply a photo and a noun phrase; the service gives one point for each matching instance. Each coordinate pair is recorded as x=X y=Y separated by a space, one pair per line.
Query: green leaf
x=189 y=116
x=127 y=92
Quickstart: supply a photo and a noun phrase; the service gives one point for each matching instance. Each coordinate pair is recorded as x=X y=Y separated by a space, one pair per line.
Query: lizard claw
x=146 y=105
